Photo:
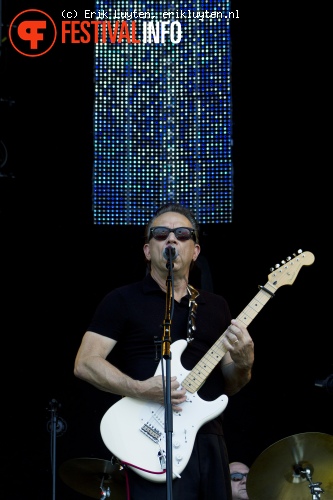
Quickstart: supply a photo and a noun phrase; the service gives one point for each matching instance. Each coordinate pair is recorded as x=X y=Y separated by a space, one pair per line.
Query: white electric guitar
x=133 y=430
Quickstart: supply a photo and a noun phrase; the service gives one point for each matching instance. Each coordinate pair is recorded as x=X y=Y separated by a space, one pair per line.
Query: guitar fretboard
x=196 y=378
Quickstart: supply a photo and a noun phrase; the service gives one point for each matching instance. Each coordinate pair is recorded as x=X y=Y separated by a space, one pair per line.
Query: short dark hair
x=179 y=209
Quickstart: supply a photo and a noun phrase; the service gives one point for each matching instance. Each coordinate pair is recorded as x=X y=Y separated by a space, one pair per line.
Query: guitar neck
x=196 y=378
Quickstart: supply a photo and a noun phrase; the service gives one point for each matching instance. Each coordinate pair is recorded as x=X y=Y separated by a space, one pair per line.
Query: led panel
x=162 y=110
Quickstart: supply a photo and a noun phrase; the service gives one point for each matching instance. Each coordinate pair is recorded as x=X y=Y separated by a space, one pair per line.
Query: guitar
x=133 y=430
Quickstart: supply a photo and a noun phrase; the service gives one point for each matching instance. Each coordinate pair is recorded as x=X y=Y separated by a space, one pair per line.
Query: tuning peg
x=283 y=262
x=275 y=267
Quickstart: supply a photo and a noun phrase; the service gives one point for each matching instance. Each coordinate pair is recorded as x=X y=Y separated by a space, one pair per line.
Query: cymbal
x=91 y=476
x=275 y=474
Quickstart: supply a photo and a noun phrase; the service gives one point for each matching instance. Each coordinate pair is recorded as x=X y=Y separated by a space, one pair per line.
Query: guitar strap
x=191 y=327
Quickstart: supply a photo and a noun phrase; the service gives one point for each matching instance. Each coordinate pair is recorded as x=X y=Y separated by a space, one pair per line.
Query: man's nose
x=172 y=236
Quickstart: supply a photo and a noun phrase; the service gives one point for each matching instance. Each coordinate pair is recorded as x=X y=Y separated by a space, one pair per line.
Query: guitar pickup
x=151 y=432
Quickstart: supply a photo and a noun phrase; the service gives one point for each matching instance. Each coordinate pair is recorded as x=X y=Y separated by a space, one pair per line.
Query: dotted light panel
x=162 y=110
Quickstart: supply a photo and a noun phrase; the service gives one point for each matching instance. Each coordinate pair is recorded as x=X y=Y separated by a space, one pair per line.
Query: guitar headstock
x=286 y=272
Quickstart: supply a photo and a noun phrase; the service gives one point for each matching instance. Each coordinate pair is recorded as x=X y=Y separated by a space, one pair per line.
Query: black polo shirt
x=134 y=316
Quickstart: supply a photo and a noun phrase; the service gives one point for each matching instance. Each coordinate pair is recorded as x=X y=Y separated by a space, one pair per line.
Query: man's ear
x=196 y=252
x=146 y=251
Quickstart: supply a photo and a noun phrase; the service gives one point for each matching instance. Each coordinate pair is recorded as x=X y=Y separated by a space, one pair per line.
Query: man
x=118 y=355
x=238 y=475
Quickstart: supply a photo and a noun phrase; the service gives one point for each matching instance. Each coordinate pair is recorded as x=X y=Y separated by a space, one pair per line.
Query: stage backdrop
x=163 y=82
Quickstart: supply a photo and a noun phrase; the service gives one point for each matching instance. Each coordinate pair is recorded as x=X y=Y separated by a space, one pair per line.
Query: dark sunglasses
x=160 y=233
x=237 y=476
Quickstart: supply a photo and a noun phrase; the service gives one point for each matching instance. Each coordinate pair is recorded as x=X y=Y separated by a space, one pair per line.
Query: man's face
x=239 y=486
x=186 y=251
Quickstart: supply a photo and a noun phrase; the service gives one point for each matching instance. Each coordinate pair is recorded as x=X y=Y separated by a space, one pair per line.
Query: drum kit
x=284 y=471
x=95 y=478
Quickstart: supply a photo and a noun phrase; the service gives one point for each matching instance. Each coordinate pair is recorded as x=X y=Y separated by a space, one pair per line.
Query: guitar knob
x=179 y=458
x=176 y=444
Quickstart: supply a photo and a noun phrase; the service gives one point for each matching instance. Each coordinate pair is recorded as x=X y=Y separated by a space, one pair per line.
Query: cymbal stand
x=315 y=488
x=104 y=493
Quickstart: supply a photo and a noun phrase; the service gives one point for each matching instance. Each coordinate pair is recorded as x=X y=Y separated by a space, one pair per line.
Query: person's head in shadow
x=238 y=476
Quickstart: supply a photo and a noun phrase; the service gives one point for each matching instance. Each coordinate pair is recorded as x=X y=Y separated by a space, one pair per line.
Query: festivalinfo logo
x=33 y=32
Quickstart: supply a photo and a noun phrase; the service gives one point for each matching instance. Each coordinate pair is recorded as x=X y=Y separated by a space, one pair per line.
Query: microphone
x=170 y=253
x=326 y=384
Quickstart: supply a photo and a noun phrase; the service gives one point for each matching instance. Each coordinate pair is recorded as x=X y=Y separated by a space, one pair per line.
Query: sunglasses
x=237 y=476
x=160 y=233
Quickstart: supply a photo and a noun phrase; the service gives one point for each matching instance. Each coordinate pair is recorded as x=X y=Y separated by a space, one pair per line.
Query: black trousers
x=206 y=476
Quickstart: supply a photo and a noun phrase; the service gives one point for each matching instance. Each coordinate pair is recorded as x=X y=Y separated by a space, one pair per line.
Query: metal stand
x=56 y=426
x=166 y=353
x=105 y=493
x=315 y=488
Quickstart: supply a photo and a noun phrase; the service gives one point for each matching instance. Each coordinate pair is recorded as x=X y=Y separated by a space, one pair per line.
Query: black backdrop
x=56 y=265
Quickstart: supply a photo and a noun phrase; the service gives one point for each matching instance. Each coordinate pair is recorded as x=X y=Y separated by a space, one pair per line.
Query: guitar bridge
x=151 y=432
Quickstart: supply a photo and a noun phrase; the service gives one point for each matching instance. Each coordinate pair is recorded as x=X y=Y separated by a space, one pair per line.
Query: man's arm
x=238 y=361
x=92 y=366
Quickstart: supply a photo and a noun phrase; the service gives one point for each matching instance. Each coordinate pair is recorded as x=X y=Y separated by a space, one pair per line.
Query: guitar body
x=133 y=430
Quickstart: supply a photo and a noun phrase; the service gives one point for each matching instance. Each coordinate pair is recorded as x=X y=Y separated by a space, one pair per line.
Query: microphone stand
x=166 y=353
x=55 y=425
x=327 y=384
